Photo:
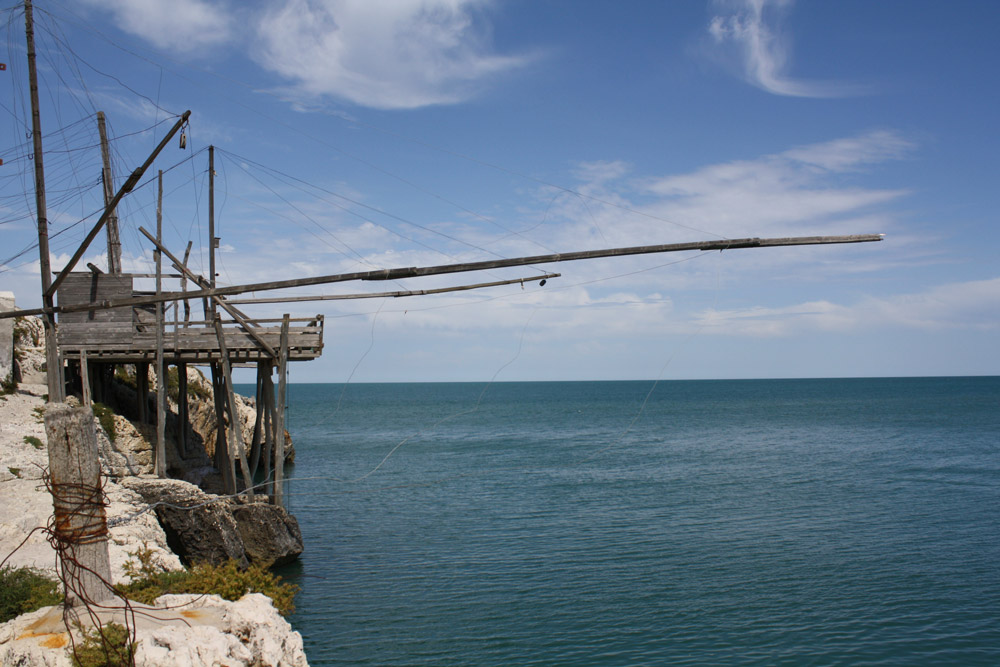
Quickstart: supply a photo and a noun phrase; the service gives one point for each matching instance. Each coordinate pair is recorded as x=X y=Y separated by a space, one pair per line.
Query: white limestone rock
x=180 y=631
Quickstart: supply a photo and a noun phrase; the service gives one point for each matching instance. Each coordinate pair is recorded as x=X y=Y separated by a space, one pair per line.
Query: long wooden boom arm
x=416 y=271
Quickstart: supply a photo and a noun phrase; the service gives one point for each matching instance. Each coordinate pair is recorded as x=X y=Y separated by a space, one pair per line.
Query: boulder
x=270 y=534
x=201 y=527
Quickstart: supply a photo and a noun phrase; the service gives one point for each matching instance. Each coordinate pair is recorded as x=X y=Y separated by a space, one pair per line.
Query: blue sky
x=355 y=134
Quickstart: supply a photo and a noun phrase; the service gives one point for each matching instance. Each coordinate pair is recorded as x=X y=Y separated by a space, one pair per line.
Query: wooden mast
x=52 y=361
x=114 y=241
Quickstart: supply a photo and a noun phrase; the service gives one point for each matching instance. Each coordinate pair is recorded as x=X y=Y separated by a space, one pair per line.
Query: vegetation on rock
x=227 y=581
x=107 y=646
x=106 y=417
x=24 y=590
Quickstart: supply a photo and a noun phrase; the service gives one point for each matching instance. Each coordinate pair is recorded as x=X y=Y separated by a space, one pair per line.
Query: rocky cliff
x=171 y=519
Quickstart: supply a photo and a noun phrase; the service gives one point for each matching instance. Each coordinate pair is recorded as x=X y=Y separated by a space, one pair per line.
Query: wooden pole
x=255 y=445
x=182 y=406
x=81 y=527
x=85 y=379
x=211 y=216
x=142 y=391
x=396 y=294
x=279 y=431
x=236 y=432
x=187 y=304
x=114 y=242
x=269 y=422
x=416 y=272
x=161 y=385
x=53 y=363
x=223 y=461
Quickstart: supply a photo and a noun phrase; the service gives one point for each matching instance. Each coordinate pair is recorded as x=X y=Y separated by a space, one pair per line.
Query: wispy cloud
x=399 y=55
x=972 y=305
x=176 y=25
x=750 y=30
x=803 y=190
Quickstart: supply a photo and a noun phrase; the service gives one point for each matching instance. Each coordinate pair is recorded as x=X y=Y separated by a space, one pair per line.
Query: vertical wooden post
x=223 y=461
x=85 y=379
x=211 y=217
x=114 y=242
x=142 y=389
x=182 y=407
x=187 y=304
x=236 y=432
x=258 y=423
x=279 y=435
x=80 y=522
x=53 y=363
x=267 y=395
x=160 y=459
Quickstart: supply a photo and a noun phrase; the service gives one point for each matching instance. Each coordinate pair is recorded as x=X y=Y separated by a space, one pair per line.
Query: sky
x=352 y=135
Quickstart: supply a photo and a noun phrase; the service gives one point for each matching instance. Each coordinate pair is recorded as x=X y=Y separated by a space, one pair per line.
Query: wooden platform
x=128 y=335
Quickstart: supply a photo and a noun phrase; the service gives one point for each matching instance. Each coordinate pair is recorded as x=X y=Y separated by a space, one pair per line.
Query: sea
x=751 y=522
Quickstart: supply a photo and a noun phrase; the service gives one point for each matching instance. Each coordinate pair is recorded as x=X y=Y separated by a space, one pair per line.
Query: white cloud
x=389 y=55
x=973 y=305
x=178 y=24
x=788 y=192
x=764 y=52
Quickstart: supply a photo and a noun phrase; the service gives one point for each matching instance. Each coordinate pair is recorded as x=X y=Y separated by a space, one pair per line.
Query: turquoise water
x=736 y=522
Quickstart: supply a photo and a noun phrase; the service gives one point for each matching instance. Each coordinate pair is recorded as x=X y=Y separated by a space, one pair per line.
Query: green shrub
x=33 y=441
x=39 y=413
x=16 y=472
x=23 y=590
x=23 y=331
x=195 y=390
x=227 y=581
x=108 y=646
x=106 y=416
x=123 y=376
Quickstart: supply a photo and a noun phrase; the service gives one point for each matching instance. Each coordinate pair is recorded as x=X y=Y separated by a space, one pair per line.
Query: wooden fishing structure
x=104 y=320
